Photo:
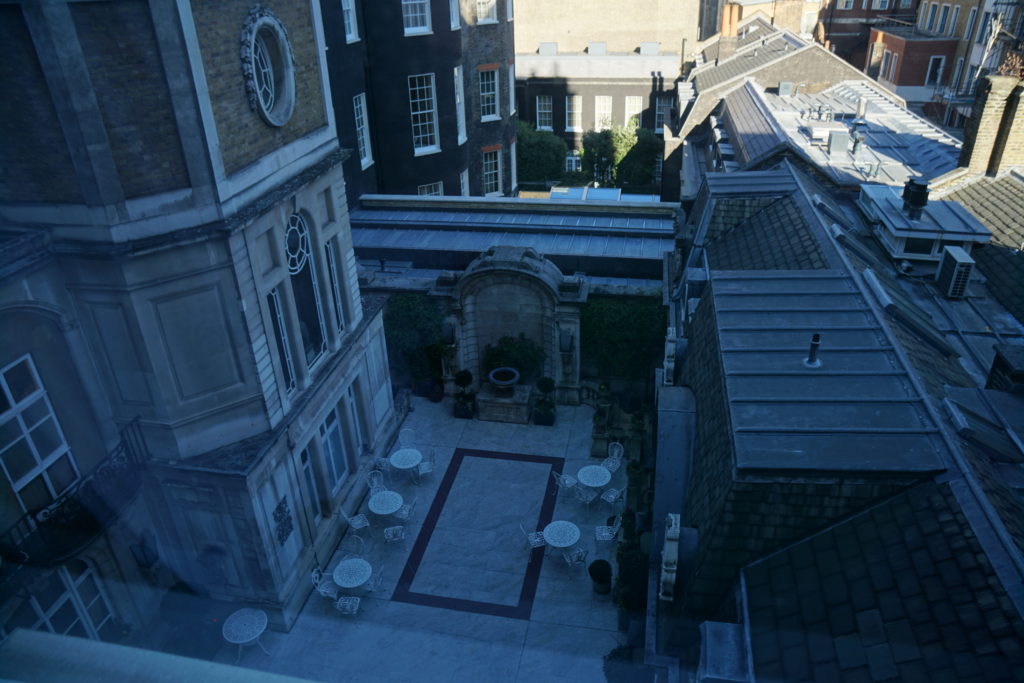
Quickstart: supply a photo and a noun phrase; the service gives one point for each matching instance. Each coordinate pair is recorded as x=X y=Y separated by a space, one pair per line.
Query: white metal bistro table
x=352 y=573
x=594 y=476
x=244 y=627
x=561 y=534
x=405 y=458
x=385 y=502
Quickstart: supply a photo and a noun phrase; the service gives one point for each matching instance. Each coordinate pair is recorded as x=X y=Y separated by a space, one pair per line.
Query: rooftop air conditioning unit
x=954 y=272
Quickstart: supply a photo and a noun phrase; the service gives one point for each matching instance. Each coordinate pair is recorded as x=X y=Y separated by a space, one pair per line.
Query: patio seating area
x=472 y=568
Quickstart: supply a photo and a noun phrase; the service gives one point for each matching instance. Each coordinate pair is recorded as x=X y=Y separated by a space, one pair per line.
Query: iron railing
x=49 y=536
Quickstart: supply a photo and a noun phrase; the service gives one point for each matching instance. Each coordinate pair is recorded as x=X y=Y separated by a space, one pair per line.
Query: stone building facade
x=192 y=380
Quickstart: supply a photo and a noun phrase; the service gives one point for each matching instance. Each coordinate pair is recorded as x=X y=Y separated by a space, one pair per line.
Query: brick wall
x=987 y=129
x=1009 y=150
x=29 y=124
x=120 y=49
x=244 y=137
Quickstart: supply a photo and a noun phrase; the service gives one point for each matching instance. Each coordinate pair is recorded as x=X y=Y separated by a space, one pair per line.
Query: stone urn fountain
x=503 y=380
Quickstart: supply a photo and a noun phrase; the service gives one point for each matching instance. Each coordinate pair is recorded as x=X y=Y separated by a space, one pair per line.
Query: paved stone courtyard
x=463 y=597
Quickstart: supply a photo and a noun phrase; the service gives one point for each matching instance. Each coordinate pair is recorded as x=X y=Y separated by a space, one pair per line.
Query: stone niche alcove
x=508 y=290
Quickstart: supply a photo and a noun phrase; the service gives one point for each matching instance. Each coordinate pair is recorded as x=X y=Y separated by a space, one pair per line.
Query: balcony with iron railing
x=51 y=535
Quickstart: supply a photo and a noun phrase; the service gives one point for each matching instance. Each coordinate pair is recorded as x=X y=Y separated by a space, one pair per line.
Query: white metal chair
x=393 y=534
x=611 y=495
x=608 y=533
x=404 y=513
x=352 y=546
x=324 y=587
x=574 y=557
x=375 y=481
x=585 y=494
x=564 y=481
x=377 y=582
x=406 y=437
x=534 y=538
x=615 y=454
x=348 y=605
x=355 y=522
x=426 y=465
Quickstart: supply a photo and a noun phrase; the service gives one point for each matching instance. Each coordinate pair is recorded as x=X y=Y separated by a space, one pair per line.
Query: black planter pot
x=463 y=410
x=545 y=418
x=601 y=574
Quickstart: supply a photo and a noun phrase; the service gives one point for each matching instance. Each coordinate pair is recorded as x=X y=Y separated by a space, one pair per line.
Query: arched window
x=305 y=288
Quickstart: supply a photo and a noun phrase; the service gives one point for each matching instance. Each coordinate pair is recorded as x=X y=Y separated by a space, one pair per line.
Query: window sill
x=485 y=22
x=352 y=39
x=456 y=28
x=462 y=139
x=545 y=128
x=411 y=33
x=494 y=194
x=366 y=163
x=488 y=119
x=572 y=129
x=426 y=151
x=512 y=113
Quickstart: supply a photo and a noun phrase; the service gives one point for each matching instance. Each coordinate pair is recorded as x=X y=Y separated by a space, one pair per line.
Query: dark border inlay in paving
x=522 y=610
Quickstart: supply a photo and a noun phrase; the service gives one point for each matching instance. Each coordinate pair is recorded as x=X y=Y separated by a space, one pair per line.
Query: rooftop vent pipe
x=915 y=197
x=812 y=355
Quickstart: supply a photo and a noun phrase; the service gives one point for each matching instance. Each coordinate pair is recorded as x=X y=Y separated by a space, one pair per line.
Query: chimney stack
x=994 y=136
x=728 y=38
x=915 y=197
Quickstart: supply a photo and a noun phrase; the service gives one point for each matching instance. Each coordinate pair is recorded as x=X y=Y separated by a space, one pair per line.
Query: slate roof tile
x=777 y=237
x=880 y=662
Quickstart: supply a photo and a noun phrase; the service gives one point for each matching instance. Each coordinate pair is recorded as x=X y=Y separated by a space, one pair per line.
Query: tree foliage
x=622 y=337
x=412 y=328
x=540 y=155
x=623 y=156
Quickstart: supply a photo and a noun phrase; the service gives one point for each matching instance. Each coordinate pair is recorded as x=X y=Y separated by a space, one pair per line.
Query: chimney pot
x=812 y=355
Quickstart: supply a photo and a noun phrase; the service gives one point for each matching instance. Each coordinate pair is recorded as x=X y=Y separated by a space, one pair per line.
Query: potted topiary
x=601 y=574
x=464 y=400
x=544 y=408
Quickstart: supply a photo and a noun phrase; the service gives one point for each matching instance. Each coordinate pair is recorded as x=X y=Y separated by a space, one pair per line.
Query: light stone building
x=191 y=381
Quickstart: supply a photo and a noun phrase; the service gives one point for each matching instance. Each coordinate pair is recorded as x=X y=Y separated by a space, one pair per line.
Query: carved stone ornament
x=268 y=66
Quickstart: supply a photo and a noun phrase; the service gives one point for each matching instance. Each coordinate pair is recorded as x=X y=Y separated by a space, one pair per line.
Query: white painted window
x=455 y=15
x=954 y=19
x=509 y=11
x=879 y=4
x=305 y=288
x=972 y=16
x=460 y=105
x=489 y=105
x=602 y=112
x=416 y=17
x=573 y=162
x=362 y=131
x=312 y=498
x=284 y=349
x=957 y=72
x=423 y=108
x=511 y=89
x=943 y=20
x=492 y=172
x=844 y=4
x=892 y=67
x=984 y=28
x=334 y=449
x=883 y=69
x=486 y=11
x=664 y=103
x=634 y=108
x=464 y=183
x=933 y=10
x=348 y=12
x=513 y=170
x=904 y=4
x=935 y=65
x=33 y=452
x=574 y=113
x=335 y=275
x=431 y=189
x=544 y=112
x=68 y=601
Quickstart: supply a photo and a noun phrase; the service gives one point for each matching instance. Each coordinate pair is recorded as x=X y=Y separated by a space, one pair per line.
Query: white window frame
x=603 y=105
x=511 y=89
x=972 y=17
x=574 y=113
x=943 y=21
x=486 y=12
x=892 y=67
x=509 y=11
x=634 y=107
x=464 y=183
x=495 y=171
x=513 y=170
x=431 y=189
x=427 y=125
x=958 y=70
x=298 y=262
x=662 y=105
x=315 y=504
x=904 y=4
x=455 y=15
x=285 y=360
x=348 y=13
x=490 y=89
x=83 y=611
x=334 y=275
x=883 y=68
x=983 y=29
x=544 y=113
x=331 y=437
x=844 y=4
x=953 y=19
x=933 y=13
x=928 y=71
x=573 y=161
x=460 y=104
x=38 y=402
x=416 y=10
x=879 y=4
x=362 y=120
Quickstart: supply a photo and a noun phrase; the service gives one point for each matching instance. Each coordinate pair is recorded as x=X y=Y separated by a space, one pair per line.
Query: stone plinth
x=515 y=408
